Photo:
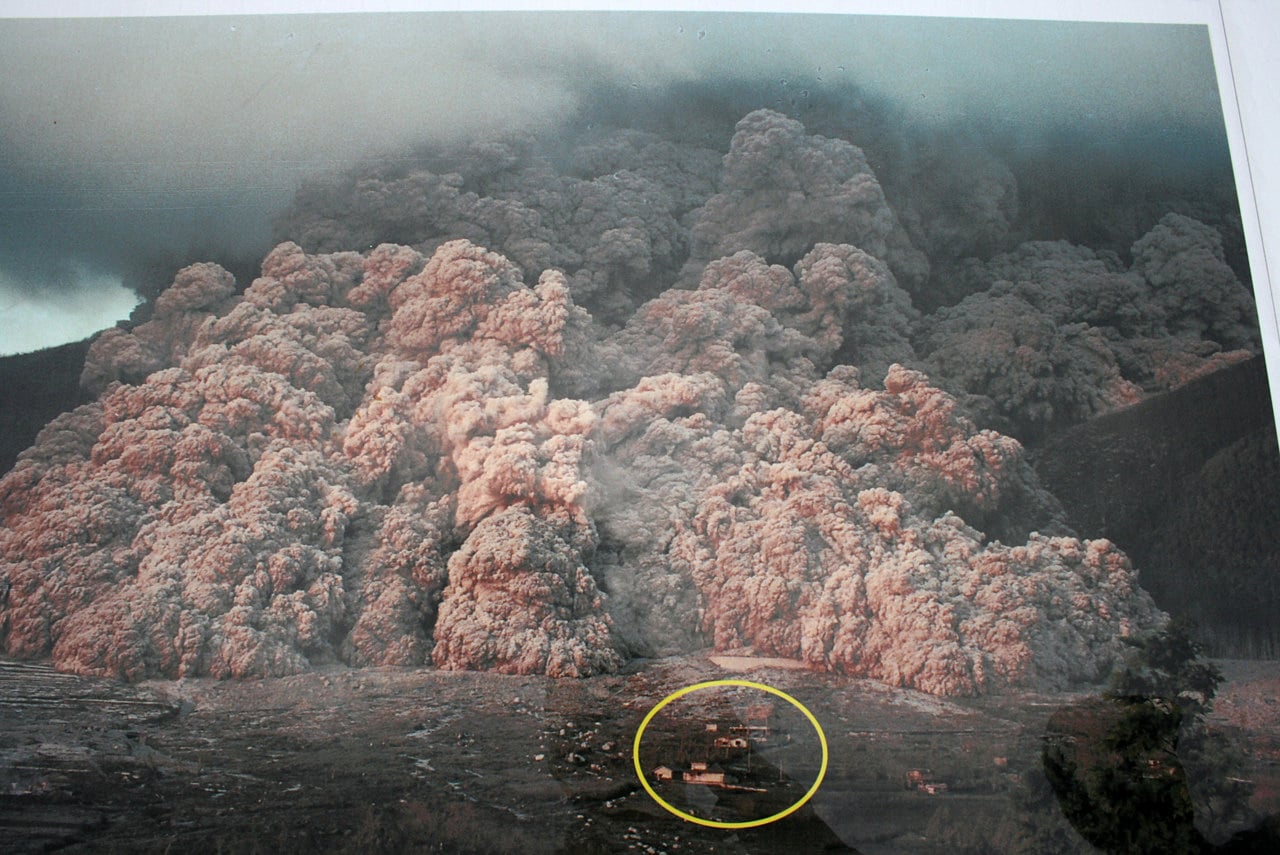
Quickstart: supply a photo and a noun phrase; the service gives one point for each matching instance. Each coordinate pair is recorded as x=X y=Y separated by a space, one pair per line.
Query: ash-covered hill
x=648 y=402
x=34 y=388
x=1188 y=484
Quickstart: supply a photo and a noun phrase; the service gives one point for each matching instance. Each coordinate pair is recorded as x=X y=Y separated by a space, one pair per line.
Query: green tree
x=1119 y=764
x=1165 y=666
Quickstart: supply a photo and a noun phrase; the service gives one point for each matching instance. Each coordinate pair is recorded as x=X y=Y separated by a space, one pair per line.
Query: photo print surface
x=614 y=431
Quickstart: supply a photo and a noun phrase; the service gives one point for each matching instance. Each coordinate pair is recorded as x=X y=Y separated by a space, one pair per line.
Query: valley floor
x=394 y=759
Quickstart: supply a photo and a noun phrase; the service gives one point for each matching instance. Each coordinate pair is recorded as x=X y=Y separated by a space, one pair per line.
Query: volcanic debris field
x=396 y=759
x=503 y=440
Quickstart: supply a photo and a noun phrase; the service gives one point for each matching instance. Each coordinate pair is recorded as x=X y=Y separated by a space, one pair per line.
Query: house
x=700 y=773
x=922 y=781
x=917 y=778
x=755 y=732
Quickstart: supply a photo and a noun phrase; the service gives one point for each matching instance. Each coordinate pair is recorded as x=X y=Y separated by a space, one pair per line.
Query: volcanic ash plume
x=640 y=407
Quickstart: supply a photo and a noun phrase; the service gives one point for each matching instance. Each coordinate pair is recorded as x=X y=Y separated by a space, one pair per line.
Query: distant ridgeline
x=646 y=399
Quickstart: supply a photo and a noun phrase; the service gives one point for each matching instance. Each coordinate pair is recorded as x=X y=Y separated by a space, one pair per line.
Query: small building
x=701 y=773
x=917 y=778
x=664 y=773
x=922 y=780
x=726 y=742
x=755 y=732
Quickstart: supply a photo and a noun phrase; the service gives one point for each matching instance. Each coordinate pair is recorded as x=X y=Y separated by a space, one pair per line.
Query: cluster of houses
x=731 y=743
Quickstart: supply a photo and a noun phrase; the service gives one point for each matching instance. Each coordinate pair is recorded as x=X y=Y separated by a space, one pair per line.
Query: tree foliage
x=1138 y=769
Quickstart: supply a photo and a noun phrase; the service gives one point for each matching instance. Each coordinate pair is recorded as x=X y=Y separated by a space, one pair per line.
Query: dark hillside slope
x=34 y=388
x=1188 y=484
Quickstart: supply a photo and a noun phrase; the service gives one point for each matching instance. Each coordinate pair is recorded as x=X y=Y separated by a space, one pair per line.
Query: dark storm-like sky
x=131 y=145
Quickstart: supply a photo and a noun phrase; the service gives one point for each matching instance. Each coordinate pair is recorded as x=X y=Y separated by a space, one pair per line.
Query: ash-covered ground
x=395 y=759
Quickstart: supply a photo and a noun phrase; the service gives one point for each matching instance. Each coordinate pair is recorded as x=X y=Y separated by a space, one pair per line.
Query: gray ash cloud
x=626 y=367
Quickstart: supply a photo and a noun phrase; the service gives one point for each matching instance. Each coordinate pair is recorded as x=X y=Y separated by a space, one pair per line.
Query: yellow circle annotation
x=711 y=684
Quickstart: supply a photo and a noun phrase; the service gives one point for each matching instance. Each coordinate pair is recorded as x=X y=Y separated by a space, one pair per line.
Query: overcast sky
x=132 y=140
